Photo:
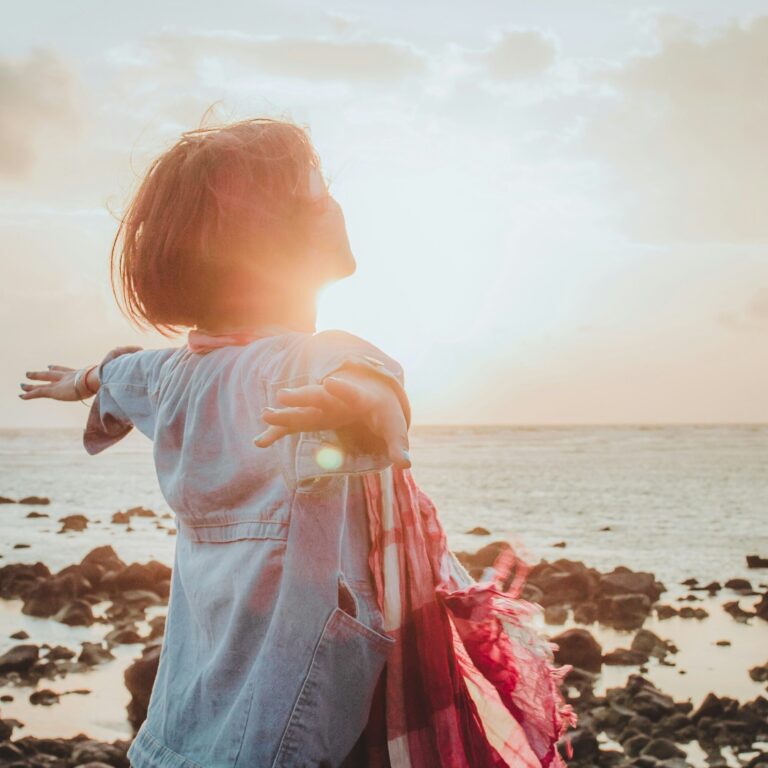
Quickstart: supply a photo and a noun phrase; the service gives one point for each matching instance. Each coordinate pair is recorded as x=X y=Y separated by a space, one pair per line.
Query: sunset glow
x=547 y=230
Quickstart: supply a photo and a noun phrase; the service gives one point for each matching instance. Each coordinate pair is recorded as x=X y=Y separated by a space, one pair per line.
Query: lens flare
x=329 y=457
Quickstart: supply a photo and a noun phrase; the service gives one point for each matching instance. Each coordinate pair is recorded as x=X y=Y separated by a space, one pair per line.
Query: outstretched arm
x=64 y=383
x=351 y=399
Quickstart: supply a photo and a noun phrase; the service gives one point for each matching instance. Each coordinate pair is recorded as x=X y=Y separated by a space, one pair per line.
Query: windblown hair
x=208 y=209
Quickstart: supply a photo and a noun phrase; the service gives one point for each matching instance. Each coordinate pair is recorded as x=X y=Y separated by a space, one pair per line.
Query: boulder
x=579 y=648
x=20 y=658
x=755 y=561
x=73 y=523
x=624 y=611
x=139 y=679
x=38 y=501
x=623 y=581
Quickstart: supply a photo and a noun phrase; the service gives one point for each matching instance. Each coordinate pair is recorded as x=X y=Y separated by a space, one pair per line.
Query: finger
x=59 y=368
x=44 y=375
x=394 y=431
x=269 y=436
x=31 y=391
x=296 y=419
x=311 y=395
x=354 y=396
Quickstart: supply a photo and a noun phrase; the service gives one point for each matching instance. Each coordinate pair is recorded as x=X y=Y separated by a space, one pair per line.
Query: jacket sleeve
x=127 y=397
x=351 y=450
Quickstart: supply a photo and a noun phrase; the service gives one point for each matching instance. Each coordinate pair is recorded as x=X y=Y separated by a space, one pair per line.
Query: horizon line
x=498 y=424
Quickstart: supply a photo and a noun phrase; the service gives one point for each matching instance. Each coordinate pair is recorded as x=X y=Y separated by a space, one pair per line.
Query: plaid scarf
x=469 y=682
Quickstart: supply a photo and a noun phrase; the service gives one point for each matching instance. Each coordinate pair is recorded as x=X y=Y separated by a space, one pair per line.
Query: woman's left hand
x=346 y=398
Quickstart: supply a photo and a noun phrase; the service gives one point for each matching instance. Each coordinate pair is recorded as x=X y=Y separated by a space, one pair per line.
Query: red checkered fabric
x=469 y=682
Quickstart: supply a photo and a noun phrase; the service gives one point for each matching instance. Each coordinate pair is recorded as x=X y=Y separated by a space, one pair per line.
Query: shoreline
x=625 y=633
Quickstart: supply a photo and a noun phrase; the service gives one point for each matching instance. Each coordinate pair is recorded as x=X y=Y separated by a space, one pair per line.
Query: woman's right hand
x=60 y=386
x=61 y=379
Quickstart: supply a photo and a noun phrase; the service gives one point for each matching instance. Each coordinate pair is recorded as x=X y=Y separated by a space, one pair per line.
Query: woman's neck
x=292 y=315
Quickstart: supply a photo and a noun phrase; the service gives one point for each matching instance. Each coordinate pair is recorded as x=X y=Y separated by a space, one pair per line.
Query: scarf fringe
x=496 y=699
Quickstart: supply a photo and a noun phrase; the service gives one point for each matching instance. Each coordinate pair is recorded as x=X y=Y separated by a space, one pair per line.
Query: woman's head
x=226 y=224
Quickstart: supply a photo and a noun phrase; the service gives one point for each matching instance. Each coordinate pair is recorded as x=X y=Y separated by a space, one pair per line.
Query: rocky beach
x=633 y=723
x=669 y=663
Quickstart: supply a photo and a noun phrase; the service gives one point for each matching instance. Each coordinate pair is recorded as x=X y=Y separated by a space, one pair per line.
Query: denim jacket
x=273 y=642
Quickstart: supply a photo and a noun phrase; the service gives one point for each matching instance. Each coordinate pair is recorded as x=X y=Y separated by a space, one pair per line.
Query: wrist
x=84 y=387
x=91 y=379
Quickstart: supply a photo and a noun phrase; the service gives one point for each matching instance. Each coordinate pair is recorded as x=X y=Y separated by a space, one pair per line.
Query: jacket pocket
x=333 y=704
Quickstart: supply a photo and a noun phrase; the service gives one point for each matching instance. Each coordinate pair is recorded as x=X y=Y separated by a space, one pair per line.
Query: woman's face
x=329 y=250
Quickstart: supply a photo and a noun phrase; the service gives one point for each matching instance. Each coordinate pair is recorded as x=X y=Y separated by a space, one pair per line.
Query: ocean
x=679 y=501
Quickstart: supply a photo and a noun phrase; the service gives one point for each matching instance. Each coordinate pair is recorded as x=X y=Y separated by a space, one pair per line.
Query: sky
x=559 y=210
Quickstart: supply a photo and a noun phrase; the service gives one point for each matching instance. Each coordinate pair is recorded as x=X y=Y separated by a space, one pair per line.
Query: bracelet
x=81 y=383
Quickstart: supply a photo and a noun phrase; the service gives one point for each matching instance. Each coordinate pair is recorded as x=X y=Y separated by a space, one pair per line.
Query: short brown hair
x=215 y=189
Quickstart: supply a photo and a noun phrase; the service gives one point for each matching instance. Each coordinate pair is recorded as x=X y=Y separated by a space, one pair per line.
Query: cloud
x=311 y=59
x=38 y=100
x=520 y=53
x=685 y=135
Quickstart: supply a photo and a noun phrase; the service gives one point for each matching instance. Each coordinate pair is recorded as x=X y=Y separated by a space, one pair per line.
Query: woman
x=282 y=610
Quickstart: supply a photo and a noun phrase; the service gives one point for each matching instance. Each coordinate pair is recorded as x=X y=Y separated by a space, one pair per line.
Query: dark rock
x=666 y=612
x=38 y=501
x=759 y=674
x=17 y=579
x=623 y=581
x=6 y=500
x=738 y=585
x=478 y=530
x=761 y=608
x=77 y=613
x=94 y=653
x=6 y=730
x=734 y=609
x=140 y=512
x=621 y=657
x=139 y=678
x=45 y=697
x=723 y=643
x=92 y=751
x=564 y=582
x=583 y=743
x=11 y=755
x=687 y=612
x=123 y=636
x=34 y=515
x=624 y=611
x=662 y=749
x=586 y=613
x=555 y=614
x=755 y=561
x=48 y=596
x=635 y=745
x=60 y=653
x=579 y=648
x=650 y=644
x=653 y=704
x=73 y=523
x=19 y=658
x=121 y=518
x=560 y=545
x=148 y=576
x=21 y=545
x=20 y=635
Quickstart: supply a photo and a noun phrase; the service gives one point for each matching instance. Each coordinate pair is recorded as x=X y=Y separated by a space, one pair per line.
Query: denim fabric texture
x=273 y=642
